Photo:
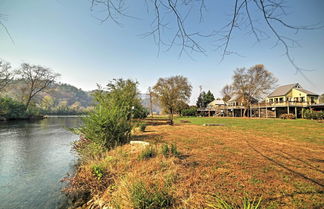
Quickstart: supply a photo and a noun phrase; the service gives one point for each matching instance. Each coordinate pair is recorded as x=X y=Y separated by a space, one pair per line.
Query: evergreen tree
x=204 y=99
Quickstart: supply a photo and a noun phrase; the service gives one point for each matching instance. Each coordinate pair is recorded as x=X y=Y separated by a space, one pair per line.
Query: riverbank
x=192 y=166
x=38 y=117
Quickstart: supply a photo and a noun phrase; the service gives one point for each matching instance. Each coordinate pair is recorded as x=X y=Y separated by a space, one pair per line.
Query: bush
x=165 y=150
x=192 y=111
x=87 y=149
x=314 y=115
x=140 y=112
x=11 y=109
x=148 y=152
x=287 y=116
x=98 y=171
x=109 y=124
x=149 y=198
x=174 y=150
x=142 y=127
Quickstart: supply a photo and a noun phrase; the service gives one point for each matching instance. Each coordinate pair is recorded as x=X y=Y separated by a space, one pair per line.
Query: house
x=292 y=93
x=236 y=106
x=215 y=107
x=217 y=103
x=286 y=99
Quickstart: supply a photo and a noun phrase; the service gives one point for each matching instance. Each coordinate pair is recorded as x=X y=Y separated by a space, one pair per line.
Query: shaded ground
x=233 y=163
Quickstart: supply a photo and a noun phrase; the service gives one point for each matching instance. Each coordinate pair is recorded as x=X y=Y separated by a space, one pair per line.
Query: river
x=34 y=157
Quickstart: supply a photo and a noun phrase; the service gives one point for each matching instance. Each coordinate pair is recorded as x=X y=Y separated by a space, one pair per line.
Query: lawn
x=302 y=130
x=246 y=159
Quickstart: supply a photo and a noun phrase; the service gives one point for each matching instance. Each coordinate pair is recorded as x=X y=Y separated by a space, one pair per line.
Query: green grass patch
x=300 y=129
x=147 y=153
x=143 y=197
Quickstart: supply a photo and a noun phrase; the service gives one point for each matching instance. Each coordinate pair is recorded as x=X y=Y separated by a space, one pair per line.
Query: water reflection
x=34 y=156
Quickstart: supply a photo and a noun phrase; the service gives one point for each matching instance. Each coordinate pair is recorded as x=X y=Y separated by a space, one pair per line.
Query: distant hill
x=60 y=93
x=71 y=94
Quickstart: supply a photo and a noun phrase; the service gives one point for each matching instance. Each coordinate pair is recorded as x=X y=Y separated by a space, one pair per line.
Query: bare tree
x=3 y=18
x=36 y=79
x=227 y=92
x=170 y=25
x=5 y=74
x=254 y=83
x=172 y=91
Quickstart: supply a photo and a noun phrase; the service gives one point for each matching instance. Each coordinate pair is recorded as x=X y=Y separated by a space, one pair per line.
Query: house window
x=302 y=99
x=295 y=99
x=312 y=100
x=281 y=100
x=276 y=100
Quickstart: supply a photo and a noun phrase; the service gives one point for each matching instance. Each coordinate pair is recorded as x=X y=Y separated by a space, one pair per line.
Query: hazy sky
x=65 y=36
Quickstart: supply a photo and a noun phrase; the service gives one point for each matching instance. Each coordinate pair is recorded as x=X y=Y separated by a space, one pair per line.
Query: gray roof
x=307 y=92
x=283 y=90
x=234 y=98
x=217 y=102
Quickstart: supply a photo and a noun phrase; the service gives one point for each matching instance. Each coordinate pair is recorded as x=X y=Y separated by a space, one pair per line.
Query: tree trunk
x=171 y=117
x=28 y=102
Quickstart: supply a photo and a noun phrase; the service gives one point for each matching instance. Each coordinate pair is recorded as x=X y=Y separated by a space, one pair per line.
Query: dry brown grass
x=213 y=160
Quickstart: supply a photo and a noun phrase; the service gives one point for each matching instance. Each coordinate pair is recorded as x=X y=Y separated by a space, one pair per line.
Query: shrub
x=148 y=152
x=165 y=150
x=315 y=115
x=142 y=127
x=109 y=124
x=149 y=198
x=87 y=149
x=98 y=171
x=174 y=150
x=140 y=112
x=11 y=109
x=287 y=116
x=192 y=111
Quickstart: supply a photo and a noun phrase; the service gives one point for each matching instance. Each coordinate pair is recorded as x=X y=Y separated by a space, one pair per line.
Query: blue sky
x=65 y=36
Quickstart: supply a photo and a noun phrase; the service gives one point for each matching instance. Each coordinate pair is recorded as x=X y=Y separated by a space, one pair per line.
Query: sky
x=67 y=37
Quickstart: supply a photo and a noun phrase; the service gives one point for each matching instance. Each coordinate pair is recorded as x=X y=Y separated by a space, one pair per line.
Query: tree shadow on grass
x=282 y=165
x=292 y=195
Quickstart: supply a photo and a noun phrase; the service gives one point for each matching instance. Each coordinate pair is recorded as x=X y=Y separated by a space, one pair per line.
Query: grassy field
x=302 y=130
x=193 y=166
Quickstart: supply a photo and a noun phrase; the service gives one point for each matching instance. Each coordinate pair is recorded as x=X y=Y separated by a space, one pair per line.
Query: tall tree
x=227 y=92
x=172 y=91
x=204 y=99
x=5 y=74
x=253 y=83
x=200 y=100
x=36 y=79
x=209 y=97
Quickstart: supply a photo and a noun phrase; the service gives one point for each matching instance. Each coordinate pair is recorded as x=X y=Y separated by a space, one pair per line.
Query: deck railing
x=259 y=105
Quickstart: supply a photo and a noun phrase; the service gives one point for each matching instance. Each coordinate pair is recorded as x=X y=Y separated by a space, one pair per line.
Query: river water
x=34 y=157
